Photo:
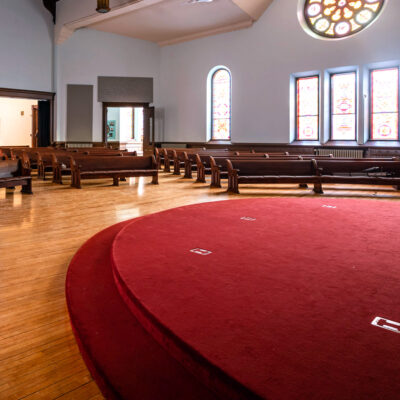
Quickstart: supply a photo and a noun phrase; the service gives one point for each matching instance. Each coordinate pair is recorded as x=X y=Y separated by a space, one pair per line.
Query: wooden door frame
x=117 y=105
x=35 y=125
x=151 y=131
x=34 y=95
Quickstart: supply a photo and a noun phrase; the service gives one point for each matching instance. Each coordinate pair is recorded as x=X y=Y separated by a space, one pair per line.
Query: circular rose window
x=336 y=19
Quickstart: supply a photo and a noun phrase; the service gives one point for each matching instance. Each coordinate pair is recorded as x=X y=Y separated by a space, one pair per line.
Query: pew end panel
x=201 y=172
x=215 y=174
x=16 y=173
x=233 y=184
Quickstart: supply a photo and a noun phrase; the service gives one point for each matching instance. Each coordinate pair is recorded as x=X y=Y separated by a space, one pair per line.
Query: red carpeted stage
x=264 y=298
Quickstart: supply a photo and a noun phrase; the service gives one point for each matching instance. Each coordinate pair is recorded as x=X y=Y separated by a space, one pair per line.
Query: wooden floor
x=39 y=234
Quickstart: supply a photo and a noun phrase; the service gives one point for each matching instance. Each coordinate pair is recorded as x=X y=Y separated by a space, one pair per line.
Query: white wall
x=16 y=129
x=261 y=60
x=26 y=45
x=89 y=54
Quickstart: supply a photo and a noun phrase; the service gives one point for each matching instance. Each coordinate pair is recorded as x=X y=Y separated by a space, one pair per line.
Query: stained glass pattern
x=343 y=106
x=221 y=105
x=340 y=18
x=307 y=108
x=385 y=104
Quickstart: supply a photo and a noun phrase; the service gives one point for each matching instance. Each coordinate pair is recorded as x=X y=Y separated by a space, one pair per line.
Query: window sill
x=380 y=143
x=219 y=141
x=341 y=143
x=305 y=143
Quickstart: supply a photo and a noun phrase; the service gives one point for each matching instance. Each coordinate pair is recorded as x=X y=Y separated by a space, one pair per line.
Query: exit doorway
x=128 y=126
x=24 y=122
x=26 y=118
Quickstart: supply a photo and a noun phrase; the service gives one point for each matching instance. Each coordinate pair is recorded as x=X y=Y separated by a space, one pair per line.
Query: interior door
x=148 y=130
x=44 y=121
x=35 y=126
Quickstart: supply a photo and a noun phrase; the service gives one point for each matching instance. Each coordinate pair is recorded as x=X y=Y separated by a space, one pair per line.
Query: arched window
x=343 y=106
x=384 y=104
x=336 y=19
x=220 y=103
x=307 y=108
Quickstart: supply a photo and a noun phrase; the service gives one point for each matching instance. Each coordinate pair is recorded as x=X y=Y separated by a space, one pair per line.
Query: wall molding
x=26 y=94
x=370 y=149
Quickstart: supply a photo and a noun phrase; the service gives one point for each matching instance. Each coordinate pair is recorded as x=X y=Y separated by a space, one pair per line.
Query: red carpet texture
x=123 y=359
x=265 y=298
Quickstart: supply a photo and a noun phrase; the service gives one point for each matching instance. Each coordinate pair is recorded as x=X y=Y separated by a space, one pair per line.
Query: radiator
x=340 y=153
x=77 y=145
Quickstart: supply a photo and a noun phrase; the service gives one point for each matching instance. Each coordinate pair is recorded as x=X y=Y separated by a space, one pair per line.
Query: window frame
x=310 y=29
x=214 y=71
x=356 y=111
x=296 y=113
x=370 y=112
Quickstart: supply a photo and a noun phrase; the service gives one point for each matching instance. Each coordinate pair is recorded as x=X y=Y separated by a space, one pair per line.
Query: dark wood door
x=148 y=130
x=35 y=126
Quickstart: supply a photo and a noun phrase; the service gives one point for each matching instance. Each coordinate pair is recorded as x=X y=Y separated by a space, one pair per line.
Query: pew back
x=93 y=163
x=351 y=167
x=273 y=167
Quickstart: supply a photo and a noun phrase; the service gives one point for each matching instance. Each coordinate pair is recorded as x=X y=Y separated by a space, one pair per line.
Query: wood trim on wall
x=63 y=143
x=34 y=95
x=370 y=149
x=26 y=94
x=213 y=144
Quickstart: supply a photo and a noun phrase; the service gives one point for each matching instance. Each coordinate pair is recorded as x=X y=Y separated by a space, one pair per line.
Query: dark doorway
x=44 y=121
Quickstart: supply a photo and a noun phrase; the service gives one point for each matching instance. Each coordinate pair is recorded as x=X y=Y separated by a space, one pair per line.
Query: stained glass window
x=343 y=106
x=221 y=105
x=385 y=104
x=307 y=108
x=340 y=18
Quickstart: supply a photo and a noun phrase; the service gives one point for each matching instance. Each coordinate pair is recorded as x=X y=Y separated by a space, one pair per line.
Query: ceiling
x=168 y=22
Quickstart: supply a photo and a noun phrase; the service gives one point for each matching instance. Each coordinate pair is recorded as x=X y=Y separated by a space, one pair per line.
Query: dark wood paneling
x=26 y=94
x=370 y=149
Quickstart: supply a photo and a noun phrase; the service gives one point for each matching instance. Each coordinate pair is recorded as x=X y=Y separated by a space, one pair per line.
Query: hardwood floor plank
x=60 y=388
x=86 y=391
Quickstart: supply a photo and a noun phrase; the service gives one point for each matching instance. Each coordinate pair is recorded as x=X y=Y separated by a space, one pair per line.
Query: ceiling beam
x=254 y=8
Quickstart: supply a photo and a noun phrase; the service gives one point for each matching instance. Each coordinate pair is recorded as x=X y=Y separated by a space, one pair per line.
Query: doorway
x=16 y=121
x=26 y=118
x=41 y=124
x=128 y=126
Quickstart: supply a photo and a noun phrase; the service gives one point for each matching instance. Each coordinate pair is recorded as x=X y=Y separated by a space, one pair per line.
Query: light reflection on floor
x=140 y=184
x=123 y=215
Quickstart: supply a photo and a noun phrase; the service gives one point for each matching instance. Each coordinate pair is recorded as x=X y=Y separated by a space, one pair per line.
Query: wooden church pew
x=112 y=167
x=16 y=173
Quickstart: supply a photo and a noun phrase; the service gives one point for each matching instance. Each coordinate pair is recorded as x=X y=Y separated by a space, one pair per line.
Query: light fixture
x=103 y=6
